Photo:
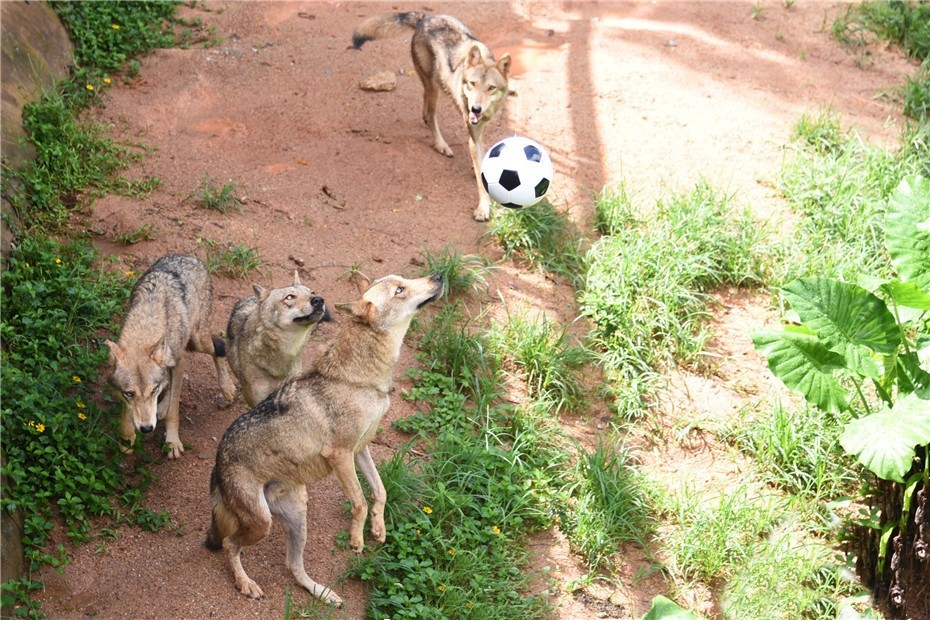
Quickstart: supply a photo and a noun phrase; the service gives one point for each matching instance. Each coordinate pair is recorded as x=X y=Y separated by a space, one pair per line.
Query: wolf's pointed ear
x=362 y=282
x=296 y=278
x=161 y=354
x=474 y=56
x=503 y=65
x=360 y=310
x=115 y=352
x=260 y=293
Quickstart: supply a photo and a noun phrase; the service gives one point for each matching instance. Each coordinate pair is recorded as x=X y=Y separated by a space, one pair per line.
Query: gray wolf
x=314 y=424
x=266 y=335
x=448 y=57
x=169 y=312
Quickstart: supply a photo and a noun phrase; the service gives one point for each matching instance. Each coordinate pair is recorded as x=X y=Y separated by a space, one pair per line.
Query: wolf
x=267 y=333
x=169 y=312
x=314 y=424
x=448 y=57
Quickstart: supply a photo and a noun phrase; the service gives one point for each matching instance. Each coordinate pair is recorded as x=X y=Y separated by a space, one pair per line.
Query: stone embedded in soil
x=381 y=81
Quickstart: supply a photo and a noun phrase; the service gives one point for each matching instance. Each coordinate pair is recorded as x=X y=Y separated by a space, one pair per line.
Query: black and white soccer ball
x=516 y=172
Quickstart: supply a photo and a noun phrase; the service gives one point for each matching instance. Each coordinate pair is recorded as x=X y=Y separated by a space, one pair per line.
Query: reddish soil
x=657 y=94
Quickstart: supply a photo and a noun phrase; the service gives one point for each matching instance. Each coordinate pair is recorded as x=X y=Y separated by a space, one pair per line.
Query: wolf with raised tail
x=448 y=57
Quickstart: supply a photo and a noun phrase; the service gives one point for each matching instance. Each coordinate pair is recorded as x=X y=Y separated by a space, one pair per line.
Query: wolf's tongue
x=474 y=118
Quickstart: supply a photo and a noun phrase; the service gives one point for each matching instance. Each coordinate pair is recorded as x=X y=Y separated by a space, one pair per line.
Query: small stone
x=383 y=81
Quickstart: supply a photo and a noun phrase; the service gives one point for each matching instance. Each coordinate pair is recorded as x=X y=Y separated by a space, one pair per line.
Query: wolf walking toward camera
x=317 y=423
x=448 y=57
x=169 y=312
x=266 y=336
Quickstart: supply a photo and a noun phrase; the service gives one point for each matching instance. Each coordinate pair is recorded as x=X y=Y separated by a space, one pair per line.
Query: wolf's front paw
x=174 y=448
x=482 y=213
x=443 y=148
x=249 y=588
x=378 y=531
x=125 y=444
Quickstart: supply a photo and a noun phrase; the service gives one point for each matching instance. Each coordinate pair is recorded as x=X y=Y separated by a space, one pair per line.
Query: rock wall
x=36 y=51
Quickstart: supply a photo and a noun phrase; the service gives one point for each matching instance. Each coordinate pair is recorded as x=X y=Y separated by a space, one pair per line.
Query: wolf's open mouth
x=474 y=119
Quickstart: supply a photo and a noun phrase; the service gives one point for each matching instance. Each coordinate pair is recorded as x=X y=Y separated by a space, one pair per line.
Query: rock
x=385 y=80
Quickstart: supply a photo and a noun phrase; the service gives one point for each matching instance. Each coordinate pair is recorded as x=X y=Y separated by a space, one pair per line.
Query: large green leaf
x=847 y=318
x=907 y=231
x=804 y=364
x=907 y=294
x=665 y=609
x=885 y=442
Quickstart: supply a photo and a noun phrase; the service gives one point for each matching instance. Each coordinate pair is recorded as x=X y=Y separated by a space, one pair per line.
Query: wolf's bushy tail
x=214 y=540
x=385 y=26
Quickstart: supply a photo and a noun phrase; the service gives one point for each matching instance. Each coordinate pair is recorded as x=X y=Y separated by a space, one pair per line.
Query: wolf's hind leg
x=289 y=505
x=254 y=522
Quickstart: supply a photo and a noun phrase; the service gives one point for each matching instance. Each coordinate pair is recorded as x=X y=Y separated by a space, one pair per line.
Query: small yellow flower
x=418 y=531
x=76 y=379
x=496 y=530
x=441 y=588
x=115 y=26
x=57 y=261
x=451 y=551
x=427 y=510
x=107 y=80
x=40 y=427
x=130 y=274
x=469 y=604
x=82 y=416
x=31 y=423
x=79 y=405
x=89 y=87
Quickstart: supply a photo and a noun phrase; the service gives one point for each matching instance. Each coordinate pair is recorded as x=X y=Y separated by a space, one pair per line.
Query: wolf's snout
x=316 y=302
x=476 y=109
x=147 y=428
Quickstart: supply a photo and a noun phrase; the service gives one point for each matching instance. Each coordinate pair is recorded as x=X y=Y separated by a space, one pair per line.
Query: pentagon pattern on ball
x=516 y=172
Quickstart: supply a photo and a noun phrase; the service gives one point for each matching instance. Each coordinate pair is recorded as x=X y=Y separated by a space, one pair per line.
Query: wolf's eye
x=155 y=390
x=129 y=394
x=399 y=290
x=492 y=88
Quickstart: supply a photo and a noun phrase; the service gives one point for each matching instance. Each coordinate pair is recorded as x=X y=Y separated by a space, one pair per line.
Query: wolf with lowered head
x=169 y=313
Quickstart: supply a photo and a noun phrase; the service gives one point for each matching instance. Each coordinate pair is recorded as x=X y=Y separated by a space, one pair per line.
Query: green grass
x=906 y=24
x=233 y=260
x=648 y=281
x=611 y=503
x=543 y=236
x=143 y=232
x=812 y=580
x=544 y=356
x=463 y=273
x=838 y=186
x=712 y=538
x=217 y=198
x=796 y=450
x=74 y=164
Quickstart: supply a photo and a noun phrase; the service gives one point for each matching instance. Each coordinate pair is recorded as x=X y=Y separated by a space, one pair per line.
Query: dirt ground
x=330 y=176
